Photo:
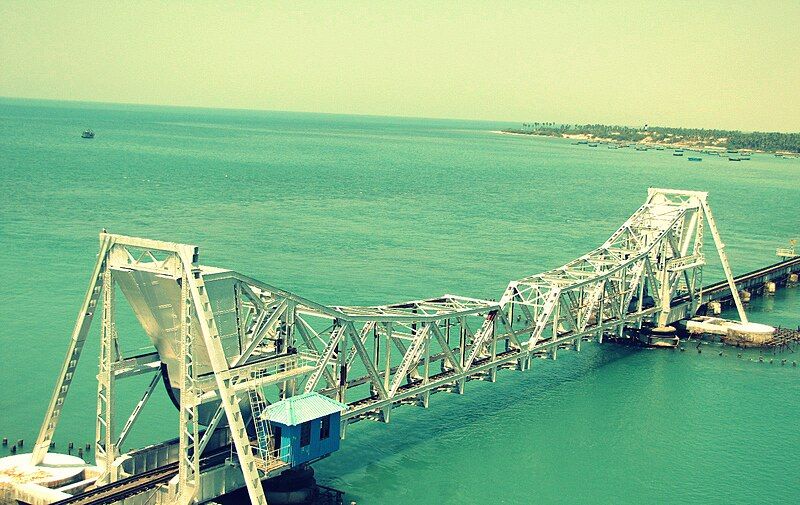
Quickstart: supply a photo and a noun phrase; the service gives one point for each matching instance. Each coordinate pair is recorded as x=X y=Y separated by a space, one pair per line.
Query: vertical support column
x=492 y=372
x=219 y=364
x=341 y=364
x=105 y=438
x=290 y=387
x=79 y=332
x=240 y=317
x=424 y=398
x=189 y=450
x=376 y=355
x=624 y=287
x=556 y=314
x=666 y=286
x=697 y=273
x=462 y=350
x=387 y=373
x=601 y=308
x=640 y=294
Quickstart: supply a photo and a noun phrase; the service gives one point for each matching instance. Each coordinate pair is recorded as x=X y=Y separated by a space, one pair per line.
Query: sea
x=352 y=210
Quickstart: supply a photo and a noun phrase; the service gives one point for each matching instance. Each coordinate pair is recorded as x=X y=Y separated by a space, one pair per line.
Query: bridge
x=227 y=345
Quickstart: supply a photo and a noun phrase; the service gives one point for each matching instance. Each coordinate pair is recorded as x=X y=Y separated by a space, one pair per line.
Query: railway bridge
x=233 y=350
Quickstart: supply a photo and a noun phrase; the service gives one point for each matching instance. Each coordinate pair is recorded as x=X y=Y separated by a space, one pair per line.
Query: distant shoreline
x=688 y=144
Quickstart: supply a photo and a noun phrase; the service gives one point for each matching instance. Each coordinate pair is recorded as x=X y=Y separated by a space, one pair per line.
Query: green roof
x=301 y=408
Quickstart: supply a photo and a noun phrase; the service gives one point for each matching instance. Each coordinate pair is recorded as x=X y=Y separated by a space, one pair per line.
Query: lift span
x=280 y=377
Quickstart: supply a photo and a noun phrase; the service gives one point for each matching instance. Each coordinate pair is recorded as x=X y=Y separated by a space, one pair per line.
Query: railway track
x=137 y=484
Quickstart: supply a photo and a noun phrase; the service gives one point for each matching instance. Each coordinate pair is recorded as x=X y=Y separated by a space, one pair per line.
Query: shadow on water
x=461 y=415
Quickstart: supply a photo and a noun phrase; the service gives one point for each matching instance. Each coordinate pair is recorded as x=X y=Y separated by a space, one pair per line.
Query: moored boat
x=87 y=134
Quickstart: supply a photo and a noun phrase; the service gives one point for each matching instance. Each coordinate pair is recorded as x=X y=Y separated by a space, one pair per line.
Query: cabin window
x=325 y=428
x=305 y=434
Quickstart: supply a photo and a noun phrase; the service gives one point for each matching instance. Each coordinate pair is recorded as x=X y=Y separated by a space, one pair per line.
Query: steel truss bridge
x=239 y=343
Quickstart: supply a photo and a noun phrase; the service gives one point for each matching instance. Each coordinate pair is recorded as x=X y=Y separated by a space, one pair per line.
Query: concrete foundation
x=42 y=484
x=731 y=332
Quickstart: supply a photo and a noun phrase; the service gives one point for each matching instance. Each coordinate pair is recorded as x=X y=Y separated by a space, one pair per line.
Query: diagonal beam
x=79 y=332
x=306 y=333
x=265 y=329
x=365 y=357
x=327 y=355
x=448 y=353
x=410 y=358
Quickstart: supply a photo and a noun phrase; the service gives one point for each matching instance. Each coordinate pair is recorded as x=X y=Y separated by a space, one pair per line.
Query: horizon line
x=399 y=116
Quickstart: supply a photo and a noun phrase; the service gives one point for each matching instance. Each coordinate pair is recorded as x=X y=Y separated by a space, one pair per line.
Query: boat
x=593 y=144
x=695 y=158
x=87 y=134
x=734 y=159
x=665 y=336
x=678 y=152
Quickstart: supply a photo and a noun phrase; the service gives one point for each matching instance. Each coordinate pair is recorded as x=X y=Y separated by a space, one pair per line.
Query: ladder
x=266 y=458
x=257 y=405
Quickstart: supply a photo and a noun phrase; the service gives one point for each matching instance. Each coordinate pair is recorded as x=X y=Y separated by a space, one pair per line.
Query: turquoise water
x=353 y=210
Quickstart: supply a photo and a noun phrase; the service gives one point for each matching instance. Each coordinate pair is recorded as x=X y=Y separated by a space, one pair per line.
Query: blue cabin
x=305 y=427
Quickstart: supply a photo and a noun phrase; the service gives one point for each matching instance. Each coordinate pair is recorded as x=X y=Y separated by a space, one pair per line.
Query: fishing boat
x=678 y=152
x=593 y=144
x=87 y=134
x=695 y=158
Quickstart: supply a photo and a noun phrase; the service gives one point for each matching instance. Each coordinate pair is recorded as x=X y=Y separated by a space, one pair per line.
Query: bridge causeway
x=229 y=343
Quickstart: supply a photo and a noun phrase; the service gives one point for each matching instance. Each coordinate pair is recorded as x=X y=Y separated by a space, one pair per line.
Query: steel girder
x=374 y=358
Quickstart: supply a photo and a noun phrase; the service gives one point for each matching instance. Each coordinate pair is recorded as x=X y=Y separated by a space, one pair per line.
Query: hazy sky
x=715 y=64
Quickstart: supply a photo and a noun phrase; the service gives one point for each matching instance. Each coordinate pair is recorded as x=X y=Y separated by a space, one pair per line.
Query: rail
x=139 y=483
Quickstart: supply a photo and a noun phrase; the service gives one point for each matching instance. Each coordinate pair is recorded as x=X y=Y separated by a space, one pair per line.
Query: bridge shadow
x=369 y=443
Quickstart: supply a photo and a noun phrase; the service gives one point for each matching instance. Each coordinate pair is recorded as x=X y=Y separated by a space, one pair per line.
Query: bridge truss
x=371 y=358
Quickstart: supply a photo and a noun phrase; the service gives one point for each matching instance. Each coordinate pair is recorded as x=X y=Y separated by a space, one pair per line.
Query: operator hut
x=305 y=427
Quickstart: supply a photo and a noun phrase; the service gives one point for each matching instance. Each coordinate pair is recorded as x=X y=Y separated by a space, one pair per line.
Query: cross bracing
x=228 y=344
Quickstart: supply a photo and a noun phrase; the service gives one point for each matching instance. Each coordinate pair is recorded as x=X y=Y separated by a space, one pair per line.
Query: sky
x=728 y=64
